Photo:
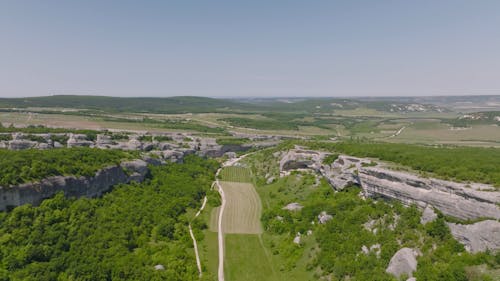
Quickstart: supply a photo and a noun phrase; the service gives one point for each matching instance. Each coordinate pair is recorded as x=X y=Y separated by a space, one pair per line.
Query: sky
x=257 y=48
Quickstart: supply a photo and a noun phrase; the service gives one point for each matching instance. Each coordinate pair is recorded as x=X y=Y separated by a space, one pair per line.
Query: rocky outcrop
x=404 y=262
x=458 y=200
x=293 y=207
x=463 y=201
x=323 y=217
x=301 y=159
x=477 y=237
x=451 y=198
x=428 y=215
x=93 y=186
x=78 y=140
x=21 y=144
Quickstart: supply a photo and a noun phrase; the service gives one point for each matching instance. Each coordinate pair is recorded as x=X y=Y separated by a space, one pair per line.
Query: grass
x=236 y=174
x=247 y=260
x=243 y=209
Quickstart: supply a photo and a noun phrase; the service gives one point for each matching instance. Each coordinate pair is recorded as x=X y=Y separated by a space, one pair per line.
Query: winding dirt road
x=195 y=244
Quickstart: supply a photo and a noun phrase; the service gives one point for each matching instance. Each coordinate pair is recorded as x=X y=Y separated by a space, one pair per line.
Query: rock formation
x=451 y=198
x=428 y=215
x=293 y=207
x=458 y=200
x=404 y=261
x=463 y=201
x=323 y=217
x=477 y=237
x=93 y=186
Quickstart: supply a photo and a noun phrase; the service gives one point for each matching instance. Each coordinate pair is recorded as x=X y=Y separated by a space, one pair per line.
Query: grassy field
x=247 y=259
x=243 y=209
x=236 y=174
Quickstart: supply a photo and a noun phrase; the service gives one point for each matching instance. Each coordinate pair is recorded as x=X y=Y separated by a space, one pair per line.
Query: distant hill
x=190 y=104
x=181 y=104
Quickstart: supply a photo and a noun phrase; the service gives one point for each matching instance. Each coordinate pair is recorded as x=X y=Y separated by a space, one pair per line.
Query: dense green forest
x=120 y=236
x=261 y=124
x=32 y=129
x=181 y=104
x=188 y=104
x=33 y=164
x=474 y=164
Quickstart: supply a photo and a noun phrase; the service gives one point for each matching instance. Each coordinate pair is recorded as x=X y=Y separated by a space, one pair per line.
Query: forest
x=120 y=236
x=33 y=164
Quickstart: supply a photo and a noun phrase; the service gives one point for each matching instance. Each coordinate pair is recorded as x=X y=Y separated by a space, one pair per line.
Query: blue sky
x=249 y=48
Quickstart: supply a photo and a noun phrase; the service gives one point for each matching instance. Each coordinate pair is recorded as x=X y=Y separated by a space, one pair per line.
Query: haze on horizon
x=252 y=48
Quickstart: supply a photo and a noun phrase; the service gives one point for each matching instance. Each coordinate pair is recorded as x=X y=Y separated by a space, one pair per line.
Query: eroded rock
x=293 y=207
x=323 y=217
x=477 y=237
x=404 y=261
x=428 y=215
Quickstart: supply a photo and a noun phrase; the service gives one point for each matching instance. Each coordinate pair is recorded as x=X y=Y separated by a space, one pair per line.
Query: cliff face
x=102 y=181
x=459 y=200
x=451 y=198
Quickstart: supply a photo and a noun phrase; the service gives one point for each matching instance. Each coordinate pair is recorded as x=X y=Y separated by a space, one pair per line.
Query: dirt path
x=398 y=132
x=220 y=235
x=195 y=244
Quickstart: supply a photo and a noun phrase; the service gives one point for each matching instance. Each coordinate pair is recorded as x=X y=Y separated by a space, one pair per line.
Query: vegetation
x=329 y=159
x=115 y=104
x=235 y=174
x=32 y=165
x=334 y=249
x=261 y=124
x=43 y=130
x=232 y=141
x=460 y=163
x=62 y=139
x=169 y=124
x=5 y=137
x=120 y=236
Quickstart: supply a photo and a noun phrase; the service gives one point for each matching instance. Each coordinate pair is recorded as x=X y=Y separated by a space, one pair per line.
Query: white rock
x=296 y=240
x=323 y=217
x=403 y=262
x=293 y=207
x=477 y=237
x=159 y=267
x=428 y=215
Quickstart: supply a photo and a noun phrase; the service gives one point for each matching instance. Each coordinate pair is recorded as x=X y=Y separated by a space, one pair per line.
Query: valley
x=276 y=191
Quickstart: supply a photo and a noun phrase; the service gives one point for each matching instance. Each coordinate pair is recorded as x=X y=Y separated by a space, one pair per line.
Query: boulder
x=296 y=240
x=323 y=217
x=270 y=180
x=134 y=144
x=477 y=237
x=103 y=141
x=159 y=267
x=375 y=248
x=404 y=261
x=428 y=215
x=293 y=207
x=21 y=144
x=77 y=140
x=57 y=145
